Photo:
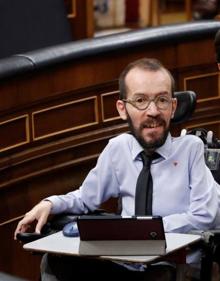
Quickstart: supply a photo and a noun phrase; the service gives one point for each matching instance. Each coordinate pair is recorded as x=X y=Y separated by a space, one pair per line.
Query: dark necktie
x=144 y=187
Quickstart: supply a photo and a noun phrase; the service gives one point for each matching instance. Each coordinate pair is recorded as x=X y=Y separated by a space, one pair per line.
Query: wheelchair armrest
x=27 y=237
x=56 y=224
x=211 y=235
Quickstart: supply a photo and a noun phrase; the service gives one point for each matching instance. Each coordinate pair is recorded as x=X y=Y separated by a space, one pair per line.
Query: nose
x=152 y=109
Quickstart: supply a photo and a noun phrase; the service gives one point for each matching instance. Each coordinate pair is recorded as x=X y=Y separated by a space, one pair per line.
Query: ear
x=174 y=106
x=120 y=105
x=218 y=64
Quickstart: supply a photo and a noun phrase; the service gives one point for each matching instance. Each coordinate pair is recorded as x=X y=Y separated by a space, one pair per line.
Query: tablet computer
x=117 y=235
x=120 y=228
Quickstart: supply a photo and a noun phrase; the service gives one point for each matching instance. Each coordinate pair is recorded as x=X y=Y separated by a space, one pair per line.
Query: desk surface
x=58 y=244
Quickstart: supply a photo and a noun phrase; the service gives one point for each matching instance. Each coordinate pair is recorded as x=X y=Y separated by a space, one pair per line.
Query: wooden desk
x=58 y=244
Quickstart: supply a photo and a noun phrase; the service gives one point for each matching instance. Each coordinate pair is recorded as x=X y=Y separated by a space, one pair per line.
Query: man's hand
x=39 y=213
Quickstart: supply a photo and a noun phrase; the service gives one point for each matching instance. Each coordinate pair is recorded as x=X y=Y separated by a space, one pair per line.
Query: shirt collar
x=164 y=150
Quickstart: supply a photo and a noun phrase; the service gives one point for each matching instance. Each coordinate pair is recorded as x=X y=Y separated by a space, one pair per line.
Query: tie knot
x=147 y=159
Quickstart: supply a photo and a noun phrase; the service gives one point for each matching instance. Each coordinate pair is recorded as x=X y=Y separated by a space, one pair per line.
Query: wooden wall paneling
x=207 y=110
x=205 y=82
x=205 y=85
x=197 y=52
x=30 y=167
x=20 y=128
x=108 y=106
x=64 y=117
x=33 y=189
x=21 y=92
x=9 y=93
x=66 y=111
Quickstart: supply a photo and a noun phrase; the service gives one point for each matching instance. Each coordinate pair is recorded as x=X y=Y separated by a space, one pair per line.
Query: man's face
x=149 y=126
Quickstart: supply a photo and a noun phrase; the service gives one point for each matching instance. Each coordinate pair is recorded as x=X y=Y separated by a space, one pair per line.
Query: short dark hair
x=150 y=64
x=217 y=46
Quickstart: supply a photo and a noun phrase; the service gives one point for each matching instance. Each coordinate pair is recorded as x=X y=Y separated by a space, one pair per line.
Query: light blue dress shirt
x=184 y=191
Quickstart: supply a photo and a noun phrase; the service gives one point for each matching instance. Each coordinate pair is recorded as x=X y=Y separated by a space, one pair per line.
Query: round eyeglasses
x=143 y=102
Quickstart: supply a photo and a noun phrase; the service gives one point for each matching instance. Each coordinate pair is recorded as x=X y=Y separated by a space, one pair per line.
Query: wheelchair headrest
x=186 y=103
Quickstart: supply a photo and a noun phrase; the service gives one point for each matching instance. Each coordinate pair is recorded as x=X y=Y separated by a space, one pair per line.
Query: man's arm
x=203 y=210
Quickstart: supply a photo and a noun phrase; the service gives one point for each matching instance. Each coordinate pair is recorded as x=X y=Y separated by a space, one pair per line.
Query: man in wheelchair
x=184 y=190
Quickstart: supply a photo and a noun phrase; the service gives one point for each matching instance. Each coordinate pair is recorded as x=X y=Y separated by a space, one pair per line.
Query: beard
x=149 y=145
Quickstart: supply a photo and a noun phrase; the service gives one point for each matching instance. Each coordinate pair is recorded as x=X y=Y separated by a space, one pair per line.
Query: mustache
x=152 y=122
